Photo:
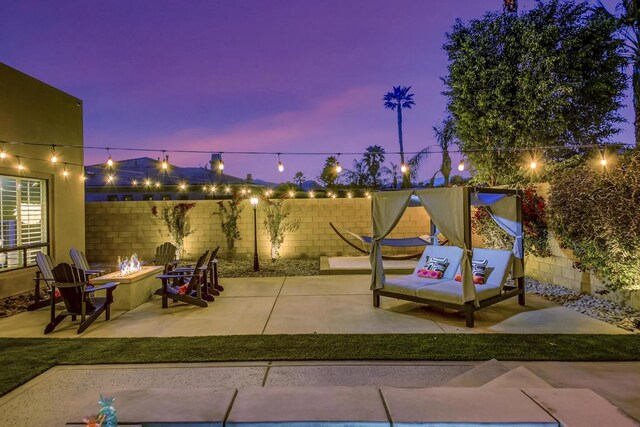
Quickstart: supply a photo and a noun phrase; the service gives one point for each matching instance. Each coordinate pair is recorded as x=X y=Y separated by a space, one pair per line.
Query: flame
x=129 y=266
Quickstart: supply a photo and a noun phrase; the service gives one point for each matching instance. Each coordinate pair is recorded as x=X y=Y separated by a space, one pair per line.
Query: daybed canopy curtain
x=504 y=209
x=448 y=208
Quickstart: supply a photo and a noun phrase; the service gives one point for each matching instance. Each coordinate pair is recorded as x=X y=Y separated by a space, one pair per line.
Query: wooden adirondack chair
x=210 y=287
x=212 y=272
x=45 y=274
x=165 y=253
x=176 y=288
x=76 y=293
x=80 y=261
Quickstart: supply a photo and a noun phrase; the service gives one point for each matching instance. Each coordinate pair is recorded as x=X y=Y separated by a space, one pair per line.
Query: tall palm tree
x=396 y=100
x=629 y=21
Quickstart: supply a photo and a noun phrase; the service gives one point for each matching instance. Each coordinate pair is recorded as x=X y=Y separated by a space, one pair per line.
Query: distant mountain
x=310 y=185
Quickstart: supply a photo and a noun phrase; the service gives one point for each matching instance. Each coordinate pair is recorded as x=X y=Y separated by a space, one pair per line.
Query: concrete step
x=519 y=377
x=479 y=375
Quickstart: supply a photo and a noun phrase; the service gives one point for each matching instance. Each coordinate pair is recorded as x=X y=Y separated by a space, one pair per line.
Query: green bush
x=534 y=222
x=594 y=212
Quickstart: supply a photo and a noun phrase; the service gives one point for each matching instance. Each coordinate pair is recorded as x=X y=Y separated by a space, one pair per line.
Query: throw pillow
x=436 y=264
x=478 y=269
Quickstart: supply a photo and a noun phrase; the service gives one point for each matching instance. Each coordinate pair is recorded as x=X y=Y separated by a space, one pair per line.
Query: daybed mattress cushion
x=407 y=285
x=451 y=291
x=452 y=253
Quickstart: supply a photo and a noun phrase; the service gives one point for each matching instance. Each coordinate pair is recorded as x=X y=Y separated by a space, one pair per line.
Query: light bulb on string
x=221 y=165
x=54 y=156
x=311 y=195
x=280 y=165
x=403 y=168
x=147 y=182
x=183 y=187
x=158 y=184
x=338 y=167
x=3 y=154
x=227 y=190
x=165 y=165
x=461 y=166
x=110 y=179
x=83 y=177
x=292 y=194
x=134 y=183
x=533 y=165
x=349 y=195
x=65 y=172
x=109 y=160
x=20 y=165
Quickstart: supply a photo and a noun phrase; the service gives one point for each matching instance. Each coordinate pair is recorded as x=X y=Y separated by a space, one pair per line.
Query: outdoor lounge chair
x=176 y=288
x=447 y=292
x=165 y=253
x=44 y=274
x=77 y=293
x=80 y=261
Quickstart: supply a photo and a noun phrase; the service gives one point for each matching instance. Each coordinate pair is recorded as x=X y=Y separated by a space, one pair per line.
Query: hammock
x=402 y=243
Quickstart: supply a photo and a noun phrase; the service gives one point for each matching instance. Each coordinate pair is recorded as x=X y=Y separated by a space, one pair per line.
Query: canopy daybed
x=450 y=211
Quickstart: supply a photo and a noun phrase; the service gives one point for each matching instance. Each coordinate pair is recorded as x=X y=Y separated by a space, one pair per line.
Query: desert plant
x=229 y=216
x=534 y=222
x=595 y=214
x=277 y=224
x=175 y=222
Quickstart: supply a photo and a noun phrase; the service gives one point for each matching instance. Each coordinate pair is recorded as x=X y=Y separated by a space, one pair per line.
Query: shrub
x=229 y=224
x=534 y=221
x=595 y=214
x=174 y=220
x=277 y=224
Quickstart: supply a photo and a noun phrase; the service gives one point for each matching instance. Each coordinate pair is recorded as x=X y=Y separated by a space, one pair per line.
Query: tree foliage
x=175 y=222
x=328 y=177
x=277 y=224
x=229 y=216
x=549 y=76
x=595 y=214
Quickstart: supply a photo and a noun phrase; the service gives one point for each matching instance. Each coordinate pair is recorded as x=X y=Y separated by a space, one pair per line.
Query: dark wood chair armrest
x=110 y=285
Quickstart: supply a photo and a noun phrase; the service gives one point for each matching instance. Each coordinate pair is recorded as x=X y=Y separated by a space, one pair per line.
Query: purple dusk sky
x=267 y=75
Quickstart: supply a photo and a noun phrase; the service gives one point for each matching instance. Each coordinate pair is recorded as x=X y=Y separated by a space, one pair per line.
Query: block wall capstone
x=121 y=228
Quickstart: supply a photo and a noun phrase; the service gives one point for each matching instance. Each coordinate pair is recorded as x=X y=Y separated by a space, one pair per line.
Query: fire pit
x=137 y=283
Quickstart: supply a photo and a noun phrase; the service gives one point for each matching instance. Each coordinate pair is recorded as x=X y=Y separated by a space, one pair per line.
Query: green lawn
x=25 y=358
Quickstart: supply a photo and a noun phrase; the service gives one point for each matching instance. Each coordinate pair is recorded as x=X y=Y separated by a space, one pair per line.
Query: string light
x=158 y=184
x=311 y=195
x=164 y=163
x=54 y=156
x=228 y=189
x=221 y=165
x=65 y=172
x=20 y=165
x=461 y=166
x=280 y=165
x=3 y=154
x=147 y=182
x=213 y=188
x=533 y=165
x=134 y=183
x=204 y=188
x=292 y=194
x=109 y=160
x=333 y=196
x=182 y=186
x=349 y=195
x=338 y=167
x=110 y=178
x=403 y=168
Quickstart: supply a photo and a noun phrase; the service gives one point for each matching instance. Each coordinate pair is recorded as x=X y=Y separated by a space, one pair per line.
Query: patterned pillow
x=478 y=268
x=436 y=264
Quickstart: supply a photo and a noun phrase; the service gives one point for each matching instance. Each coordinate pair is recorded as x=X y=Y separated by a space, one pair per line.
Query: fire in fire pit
x=129 y=266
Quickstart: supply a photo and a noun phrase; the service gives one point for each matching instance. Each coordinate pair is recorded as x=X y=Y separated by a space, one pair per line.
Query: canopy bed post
x=520 y=242
x=466 y=212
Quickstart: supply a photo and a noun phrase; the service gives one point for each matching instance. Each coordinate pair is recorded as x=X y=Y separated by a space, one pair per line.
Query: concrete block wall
x=121 y=228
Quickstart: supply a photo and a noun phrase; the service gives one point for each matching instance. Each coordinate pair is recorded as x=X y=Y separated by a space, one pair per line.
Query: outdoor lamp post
x=256 y=264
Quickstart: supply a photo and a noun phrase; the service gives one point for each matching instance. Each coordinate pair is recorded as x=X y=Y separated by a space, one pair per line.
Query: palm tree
x=358 y=175
x=396 y=100
x=629 y=21
x=299 y=178
x=445 y=136
x=373 y=160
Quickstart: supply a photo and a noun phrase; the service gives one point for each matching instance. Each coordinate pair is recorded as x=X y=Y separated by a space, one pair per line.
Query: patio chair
x=77 y=294
x=165 y=253
x=44 y=274
x=80 y=261
x=176 y=288
x=211 y=288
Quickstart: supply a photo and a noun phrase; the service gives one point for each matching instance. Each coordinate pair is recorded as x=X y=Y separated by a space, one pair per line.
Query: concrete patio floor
x=305 y=305
x=38 y=402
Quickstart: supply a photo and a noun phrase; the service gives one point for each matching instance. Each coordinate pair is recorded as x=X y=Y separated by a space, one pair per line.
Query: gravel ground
x=607 y=311
x=281 y=267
